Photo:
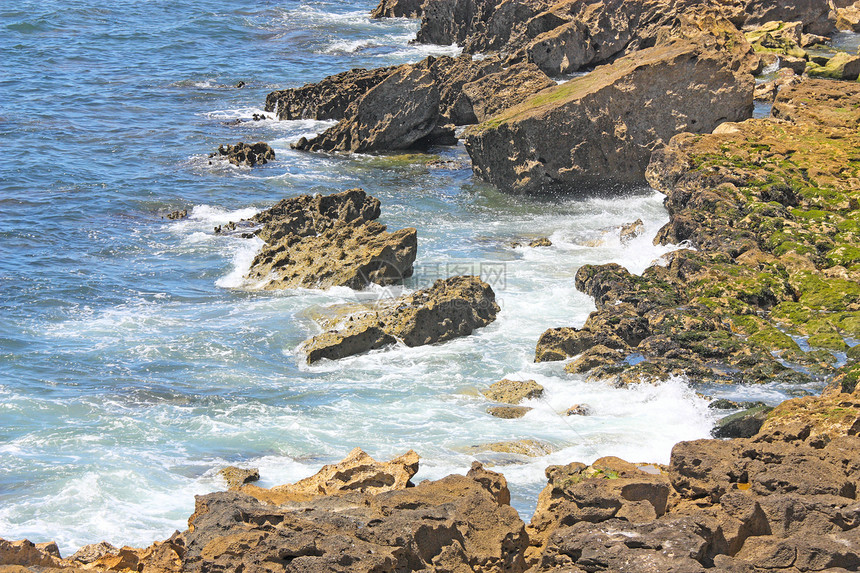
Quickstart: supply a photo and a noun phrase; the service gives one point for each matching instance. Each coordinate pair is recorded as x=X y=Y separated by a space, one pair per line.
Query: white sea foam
x=243 y=256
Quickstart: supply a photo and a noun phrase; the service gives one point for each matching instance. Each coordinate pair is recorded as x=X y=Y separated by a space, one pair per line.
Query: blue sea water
x=134 y=359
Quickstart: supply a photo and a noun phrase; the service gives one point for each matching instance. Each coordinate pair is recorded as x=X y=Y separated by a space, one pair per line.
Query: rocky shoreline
x=767 y=290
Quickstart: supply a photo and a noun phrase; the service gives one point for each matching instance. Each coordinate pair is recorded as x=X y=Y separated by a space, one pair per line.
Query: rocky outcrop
x=357 y=472
x=769 y=205
x=249 y=154
x=842 y=66
x=398 y=9
x=327 y=240
x=496 y=92
x=562 y=37
x=25 y=553
x=784 y=500
x=413 y=105
x=449 y=309
x=327 y=99
x=684 y=85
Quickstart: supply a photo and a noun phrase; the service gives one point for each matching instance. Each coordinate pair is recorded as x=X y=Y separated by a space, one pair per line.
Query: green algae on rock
x=771 y=205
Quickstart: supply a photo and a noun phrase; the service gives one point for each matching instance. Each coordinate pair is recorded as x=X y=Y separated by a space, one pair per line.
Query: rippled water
x=135 y=362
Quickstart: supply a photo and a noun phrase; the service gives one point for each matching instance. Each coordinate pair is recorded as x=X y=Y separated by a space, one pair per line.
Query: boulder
x=513 y=391
x=527 y=448
x=782 y=38
x=508 y=412
x=327 y=240
x=449 y=309
x=394 y=114
x=744 y=424
x=93 y=552
x=848 y=18
x=608 y=489
x=28 y=554
x=630 y=231
x=398 y=9
x=578 y=410
x=595 y=137
x=327 y=99
x=237 y=477
x=496 y=92
x=358 y=472
x=842 y=66
x=249 y=154
x=458 y=523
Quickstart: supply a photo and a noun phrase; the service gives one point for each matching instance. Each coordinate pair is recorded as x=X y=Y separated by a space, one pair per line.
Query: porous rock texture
x=771 y=207
x=606 y=124
x=398 y=9
x=327 y=240
x=449 y=309
x=564 y=36
x=249 y=154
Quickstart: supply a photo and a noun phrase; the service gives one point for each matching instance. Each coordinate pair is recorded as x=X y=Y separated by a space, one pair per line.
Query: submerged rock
x=329 y=240
x=508 y=412
x=527 y=448
x=513 y=391
x=449 y=309
x=685 y=85
x=249 y=154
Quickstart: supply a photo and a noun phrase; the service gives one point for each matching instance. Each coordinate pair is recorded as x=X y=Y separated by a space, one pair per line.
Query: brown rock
x=324 y=241
x=237 y=477
x=593 y=133
x=398 y=9
x=508 y=412
x=395 y=114
x=496 y=92
x=609 y=488
x=513 y=391
x=28 y=554
x=578 y=410
x=449 y=309
x=358 y=472
x=631 y=230
x=92 y=552
x=327 y=99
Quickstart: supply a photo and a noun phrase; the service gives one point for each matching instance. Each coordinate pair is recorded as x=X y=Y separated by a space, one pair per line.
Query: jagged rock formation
x=324 y=241
x=249 y=154
x=327 y=99
x=412 y=105
x=683 y=85
x=449 y=309
x=398 y=9
x=564 y=36
x=771 y=206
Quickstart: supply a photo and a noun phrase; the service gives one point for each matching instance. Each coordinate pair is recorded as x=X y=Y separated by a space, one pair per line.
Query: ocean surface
x=135 y=361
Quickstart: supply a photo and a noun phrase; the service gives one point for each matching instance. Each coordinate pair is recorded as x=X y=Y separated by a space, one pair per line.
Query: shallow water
x=135 y=361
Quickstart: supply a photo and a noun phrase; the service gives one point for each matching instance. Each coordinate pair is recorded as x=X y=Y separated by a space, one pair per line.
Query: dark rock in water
x=327 y=99
x=413 y=105
x=508 y=412
x=685 y=85
x=395 y=114
x=723 y=404
x=250 y=154
x=237 y=477
x=240 y=85
x=496 y=92
x=744 y=424
x=332 y=240
x=631 y=231
x=449 y=309
x=398 y=9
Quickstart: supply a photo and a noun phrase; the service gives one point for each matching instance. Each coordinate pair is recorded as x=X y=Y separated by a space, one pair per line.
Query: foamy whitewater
x=136 y=360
